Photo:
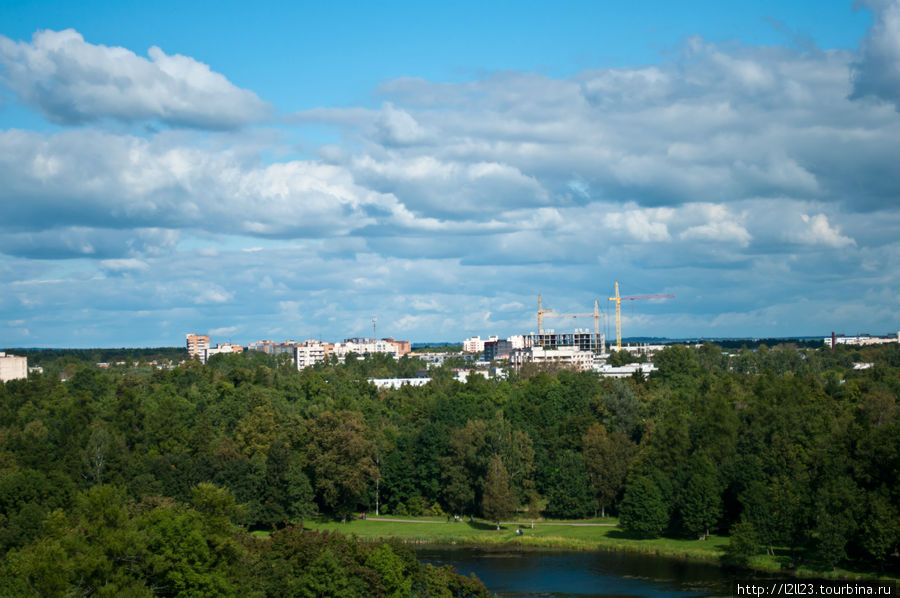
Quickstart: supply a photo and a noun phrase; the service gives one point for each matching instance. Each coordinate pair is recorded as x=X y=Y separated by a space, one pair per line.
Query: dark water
x=534 y=574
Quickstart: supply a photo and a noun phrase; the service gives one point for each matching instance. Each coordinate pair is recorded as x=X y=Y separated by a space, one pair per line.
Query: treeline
x=787 y=449
x=108 y=545
x=57 y=359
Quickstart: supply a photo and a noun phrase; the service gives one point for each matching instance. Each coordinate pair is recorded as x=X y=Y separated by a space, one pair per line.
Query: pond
x=536 y=574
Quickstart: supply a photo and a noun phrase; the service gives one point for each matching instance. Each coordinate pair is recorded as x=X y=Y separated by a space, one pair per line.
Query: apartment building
x=310 y=352
x=13 y=367
x=196 y=345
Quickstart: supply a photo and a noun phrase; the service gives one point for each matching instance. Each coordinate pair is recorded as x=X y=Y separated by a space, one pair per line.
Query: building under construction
x=582 y=338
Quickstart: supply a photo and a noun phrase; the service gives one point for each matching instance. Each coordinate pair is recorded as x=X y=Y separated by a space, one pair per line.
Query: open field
x=594 y=534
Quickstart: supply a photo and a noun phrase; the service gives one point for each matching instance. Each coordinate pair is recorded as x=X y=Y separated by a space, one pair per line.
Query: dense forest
x=148 y=479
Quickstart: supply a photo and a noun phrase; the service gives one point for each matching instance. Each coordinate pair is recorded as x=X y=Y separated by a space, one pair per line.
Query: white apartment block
x=861 y=340
x=365 y=346
x=310 y=352
x=13 y=367
x=624 y=371
x=475 y=344
x=567 y=355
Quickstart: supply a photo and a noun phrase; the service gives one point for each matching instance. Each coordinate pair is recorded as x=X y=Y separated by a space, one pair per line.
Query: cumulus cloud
x=741 y=179
x=877 y=72
x=396 y=126
x=51 y=241
x=717 y=124
x=91 y=180
x=449 y=189
x=72 y=81
x=640 y=225
x=720 y=226
x=819 y=232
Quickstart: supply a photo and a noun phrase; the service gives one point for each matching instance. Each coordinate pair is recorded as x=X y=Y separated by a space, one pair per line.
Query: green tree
x=643 y=511
x=608 y=458
x=499 y=500
x=742 y=545
x=700 y=501
x=837 y=506
x=394 y=576
x=880 y=528
x=620 y=358
x=570 y=495
x=340 y=456
x=677 y=365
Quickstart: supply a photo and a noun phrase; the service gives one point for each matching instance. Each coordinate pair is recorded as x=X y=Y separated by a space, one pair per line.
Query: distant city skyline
x=290 y=170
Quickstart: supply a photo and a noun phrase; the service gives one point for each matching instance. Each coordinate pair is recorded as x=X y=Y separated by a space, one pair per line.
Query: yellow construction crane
x=619 y=301
x=595 y=315
x=541 y=312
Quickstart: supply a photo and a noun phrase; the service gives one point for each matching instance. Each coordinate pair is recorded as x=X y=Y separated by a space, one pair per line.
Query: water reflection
x=533 y=574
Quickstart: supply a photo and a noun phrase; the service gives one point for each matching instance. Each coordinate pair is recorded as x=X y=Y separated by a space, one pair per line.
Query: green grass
x=543 y=535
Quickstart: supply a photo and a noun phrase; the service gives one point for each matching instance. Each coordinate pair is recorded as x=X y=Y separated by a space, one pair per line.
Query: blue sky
x=290 y=170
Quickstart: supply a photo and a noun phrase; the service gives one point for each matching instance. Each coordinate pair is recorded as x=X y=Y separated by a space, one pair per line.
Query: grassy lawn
x=546 y=534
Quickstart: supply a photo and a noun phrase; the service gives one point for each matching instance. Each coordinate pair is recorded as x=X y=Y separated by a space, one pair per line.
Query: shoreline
x=663 y=547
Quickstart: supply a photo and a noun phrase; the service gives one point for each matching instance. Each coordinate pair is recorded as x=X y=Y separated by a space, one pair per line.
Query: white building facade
x=13 y=367
x=365 y=346
x=568 y=356
x=475 y=344
x=310 y=352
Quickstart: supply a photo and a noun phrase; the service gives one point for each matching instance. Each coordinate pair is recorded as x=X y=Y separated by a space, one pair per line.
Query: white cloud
x=123 y=181
x=72 y=82
x=820 y=232
x=877 y=72
x=720 y=226
x=397 y=126
x=118 y=266
x=224 y=331
x=211 y=294
x=740 y=179
x=645 y=226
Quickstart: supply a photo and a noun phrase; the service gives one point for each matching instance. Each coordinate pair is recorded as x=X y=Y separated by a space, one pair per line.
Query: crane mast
x=540 y=316
x=619 y=301
x=595 y=314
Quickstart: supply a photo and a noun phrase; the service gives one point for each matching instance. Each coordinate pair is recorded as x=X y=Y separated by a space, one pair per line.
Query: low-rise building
x=395 y=383
x=568 y=356
x=862 y=340
x=365 y=346
x=13 y=367
x=624 y=371
x=223 y=348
